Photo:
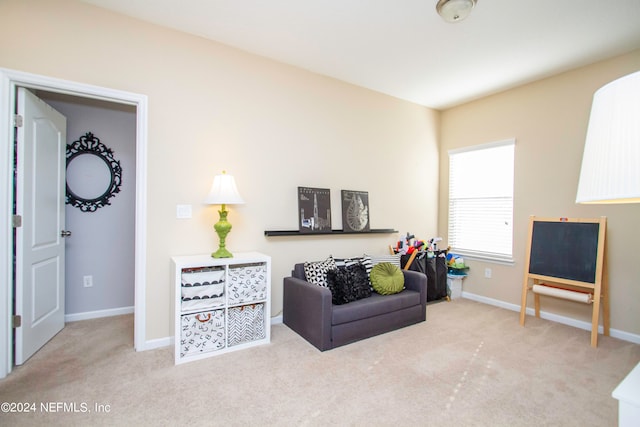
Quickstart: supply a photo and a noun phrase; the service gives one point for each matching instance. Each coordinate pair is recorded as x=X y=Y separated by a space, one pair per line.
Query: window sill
x=479 y=256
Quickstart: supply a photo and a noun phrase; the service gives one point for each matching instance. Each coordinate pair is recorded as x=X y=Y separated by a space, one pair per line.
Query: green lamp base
x=222 y=253
x=222 y=227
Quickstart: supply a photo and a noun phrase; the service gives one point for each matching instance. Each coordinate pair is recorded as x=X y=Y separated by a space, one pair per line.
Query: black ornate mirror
x=93 y=175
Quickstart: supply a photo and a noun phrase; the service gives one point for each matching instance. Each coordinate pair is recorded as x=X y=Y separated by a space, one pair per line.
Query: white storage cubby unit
x=221 y=304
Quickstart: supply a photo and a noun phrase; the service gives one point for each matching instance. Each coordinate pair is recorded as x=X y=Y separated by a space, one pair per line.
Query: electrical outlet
x=487 y=273
x=87 y=281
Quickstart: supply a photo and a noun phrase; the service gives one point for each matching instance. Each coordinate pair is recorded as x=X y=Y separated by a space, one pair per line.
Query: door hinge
x=16 y=221
x=16 y=321
x=17 y=121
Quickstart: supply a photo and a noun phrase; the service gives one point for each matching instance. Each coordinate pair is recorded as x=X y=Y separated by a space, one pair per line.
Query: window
x=481 y=200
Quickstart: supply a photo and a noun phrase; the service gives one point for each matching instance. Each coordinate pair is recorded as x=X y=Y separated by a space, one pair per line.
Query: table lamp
x=223 y=192
x=610 y=170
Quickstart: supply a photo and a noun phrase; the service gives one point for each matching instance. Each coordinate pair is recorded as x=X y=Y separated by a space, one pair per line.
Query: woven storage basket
x=202 y=332
x=246 y=324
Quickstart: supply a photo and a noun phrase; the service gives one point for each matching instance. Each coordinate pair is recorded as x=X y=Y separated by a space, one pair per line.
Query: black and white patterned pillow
x=316 y=272
x=348 y=284
x=364 y=260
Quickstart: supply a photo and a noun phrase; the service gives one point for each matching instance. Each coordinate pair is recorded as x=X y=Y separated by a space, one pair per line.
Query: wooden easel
x=567 y=276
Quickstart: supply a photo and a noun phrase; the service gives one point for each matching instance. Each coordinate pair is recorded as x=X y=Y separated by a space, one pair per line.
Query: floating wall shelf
x=273 y=233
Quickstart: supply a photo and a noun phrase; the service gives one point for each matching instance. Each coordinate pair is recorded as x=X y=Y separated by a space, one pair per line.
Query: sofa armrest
x=307 y=309
x=416 y=282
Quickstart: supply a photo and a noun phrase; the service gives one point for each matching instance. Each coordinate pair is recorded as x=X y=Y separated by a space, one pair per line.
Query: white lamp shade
x=224 y=191
x=611 y=161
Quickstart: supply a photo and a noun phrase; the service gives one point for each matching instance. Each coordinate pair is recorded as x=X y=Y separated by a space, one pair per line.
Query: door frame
x=9 y=80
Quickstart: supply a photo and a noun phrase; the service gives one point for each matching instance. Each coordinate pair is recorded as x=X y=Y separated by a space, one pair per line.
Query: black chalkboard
x=567 y=250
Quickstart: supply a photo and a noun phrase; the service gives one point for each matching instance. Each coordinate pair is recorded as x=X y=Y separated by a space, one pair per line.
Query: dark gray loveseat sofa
x=308 y=310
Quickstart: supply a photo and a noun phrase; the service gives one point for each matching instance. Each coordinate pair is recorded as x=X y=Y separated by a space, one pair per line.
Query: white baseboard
x=276 y=320
x=157 y=343
x=74 y=317
x=615 y=333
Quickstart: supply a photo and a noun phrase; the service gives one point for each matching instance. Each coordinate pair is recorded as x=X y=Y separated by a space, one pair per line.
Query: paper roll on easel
x=563 y=293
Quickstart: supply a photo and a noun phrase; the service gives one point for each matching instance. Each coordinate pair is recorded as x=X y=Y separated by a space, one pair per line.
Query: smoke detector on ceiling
x=455 y=10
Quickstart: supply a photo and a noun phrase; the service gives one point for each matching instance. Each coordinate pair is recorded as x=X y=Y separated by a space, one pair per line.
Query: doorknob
x=65 y=233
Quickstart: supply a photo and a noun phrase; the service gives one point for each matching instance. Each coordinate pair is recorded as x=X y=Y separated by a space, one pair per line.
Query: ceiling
x=402 y=47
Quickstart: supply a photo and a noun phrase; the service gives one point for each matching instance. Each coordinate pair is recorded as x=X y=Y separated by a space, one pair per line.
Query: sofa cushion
x=316 y=272
x=375 y=305
x=387 y=279
x=348 y=284
x=298 y=271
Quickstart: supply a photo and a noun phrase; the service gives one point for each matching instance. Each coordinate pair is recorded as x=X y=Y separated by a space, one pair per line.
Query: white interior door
x=40 y=199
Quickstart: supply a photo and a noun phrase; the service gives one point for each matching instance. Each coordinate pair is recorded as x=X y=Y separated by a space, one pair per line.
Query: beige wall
x=275 y=127
x=272 y=126
x=549 y=120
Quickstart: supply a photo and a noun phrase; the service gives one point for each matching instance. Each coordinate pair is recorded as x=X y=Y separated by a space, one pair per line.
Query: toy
x=455 y=264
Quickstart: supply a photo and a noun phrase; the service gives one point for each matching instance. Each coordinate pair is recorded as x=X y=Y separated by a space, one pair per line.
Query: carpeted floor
x=469 y=364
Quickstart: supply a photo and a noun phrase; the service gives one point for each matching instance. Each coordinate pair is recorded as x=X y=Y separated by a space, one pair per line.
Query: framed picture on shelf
x=355 y=210
x=314 y=210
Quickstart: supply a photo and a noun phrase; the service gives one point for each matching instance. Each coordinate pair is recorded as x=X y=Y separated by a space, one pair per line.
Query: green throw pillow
x=387 y=279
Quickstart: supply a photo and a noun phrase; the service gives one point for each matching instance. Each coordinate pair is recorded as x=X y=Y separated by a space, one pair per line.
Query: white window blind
x=481 y=200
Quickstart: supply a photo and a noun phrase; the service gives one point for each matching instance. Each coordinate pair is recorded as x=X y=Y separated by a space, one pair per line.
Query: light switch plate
x=183 y=211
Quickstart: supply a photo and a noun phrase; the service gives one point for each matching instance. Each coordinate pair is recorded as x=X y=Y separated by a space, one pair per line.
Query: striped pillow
x=392 y=259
